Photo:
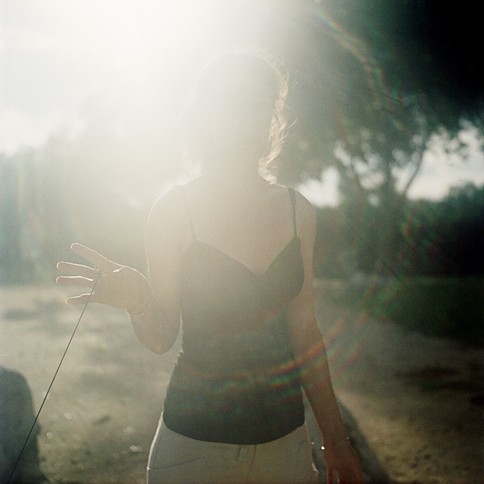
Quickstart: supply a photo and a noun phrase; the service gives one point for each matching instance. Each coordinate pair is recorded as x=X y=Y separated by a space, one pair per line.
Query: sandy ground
x=418 y=400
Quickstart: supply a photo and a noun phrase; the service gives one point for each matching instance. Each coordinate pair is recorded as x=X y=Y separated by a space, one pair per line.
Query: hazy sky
x=57 y=54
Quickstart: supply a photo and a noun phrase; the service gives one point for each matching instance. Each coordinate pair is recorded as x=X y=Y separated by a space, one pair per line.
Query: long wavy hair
x=221 y=73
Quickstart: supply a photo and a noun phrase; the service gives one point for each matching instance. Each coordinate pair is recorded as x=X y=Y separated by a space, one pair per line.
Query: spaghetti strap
x=189 y=212
x=292 y=196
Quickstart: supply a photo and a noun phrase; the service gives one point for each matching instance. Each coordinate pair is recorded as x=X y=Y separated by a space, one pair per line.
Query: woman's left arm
x=310 y=353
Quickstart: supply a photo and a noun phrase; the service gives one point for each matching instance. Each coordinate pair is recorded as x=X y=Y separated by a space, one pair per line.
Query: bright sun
x=133 y=36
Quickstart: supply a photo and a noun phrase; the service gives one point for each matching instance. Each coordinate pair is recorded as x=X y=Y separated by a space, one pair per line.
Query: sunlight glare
x=137 y=60
x=133 y=38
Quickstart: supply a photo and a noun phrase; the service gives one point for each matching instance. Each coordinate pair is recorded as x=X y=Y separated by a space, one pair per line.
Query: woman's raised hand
x=115 y=285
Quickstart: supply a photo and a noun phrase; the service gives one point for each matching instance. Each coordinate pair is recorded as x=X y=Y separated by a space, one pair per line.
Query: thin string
x=52 y=381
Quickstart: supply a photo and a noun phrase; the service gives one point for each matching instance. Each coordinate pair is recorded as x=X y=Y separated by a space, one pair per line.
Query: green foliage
x=425 y=238
x=379 y=78
x=333 y=254
x=425 y=52
x=445 y=307
x=446 y=237
x=366 y=76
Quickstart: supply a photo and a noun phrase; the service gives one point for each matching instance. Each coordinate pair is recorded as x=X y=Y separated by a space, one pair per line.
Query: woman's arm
x=310 y=353
x=153 y=302
x=156 y=323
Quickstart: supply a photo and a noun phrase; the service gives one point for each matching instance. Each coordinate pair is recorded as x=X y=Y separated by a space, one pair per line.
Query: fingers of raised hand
x=70 y=269
x=81 y=299
x=76 y=274
x=74 y=281
x=97 y=259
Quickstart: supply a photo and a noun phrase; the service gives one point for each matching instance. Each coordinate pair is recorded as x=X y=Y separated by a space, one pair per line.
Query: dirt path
x=417 y=400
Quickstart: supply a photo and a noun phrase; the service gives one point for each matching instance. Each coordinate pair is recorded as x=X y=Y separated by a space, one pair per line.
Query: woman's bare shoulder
x=168 y=221
x=169 y=214
x=168 y=204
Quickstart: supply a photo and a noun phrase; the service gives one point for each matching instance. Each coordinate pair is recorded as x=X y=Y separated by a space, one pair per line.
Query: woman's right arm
x=153 y=302
x=156 y=323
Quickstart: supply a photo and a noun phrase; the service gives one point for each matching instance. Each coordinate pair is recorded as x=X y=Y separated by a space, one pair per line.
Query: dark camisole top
x=235 y=380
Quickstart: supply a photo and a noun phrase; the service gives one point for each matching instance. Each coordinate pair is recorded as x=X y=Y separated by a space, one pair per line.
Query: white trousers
x=175 y=458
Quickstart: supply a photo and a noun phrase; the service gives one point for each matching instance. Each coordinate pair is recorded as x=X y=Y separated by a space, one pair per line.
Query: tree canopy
x=371 y=83
x=382 y=77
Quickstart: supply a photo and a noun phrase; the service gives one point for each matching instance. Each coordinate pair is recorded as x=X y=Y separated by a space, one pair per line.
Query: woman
x=231 y=253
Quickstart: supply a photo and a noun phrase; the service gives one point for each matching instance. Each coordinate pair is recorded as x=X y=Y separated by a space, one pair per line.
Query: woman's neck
x=238 y=170
x=235 y=179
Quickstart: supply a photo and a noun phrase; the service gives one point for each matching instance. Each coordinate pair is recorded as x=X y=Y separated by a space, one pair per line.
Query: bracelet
x=344 y=439
x=140 y=313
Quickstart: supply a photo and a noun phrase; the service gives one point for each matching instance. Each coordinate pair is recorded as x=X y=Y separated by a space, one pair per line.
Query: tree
x=392 y=91
x=372 y=83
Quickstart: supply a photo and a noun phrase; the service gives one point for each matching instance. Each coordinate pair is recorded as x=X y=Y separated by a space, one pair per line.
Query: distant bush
x=429 y=238
x=450 y=307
